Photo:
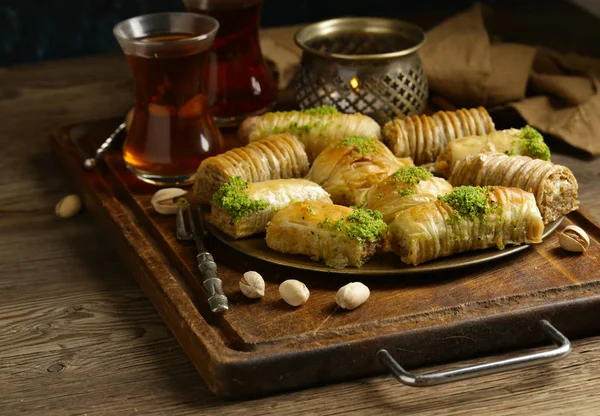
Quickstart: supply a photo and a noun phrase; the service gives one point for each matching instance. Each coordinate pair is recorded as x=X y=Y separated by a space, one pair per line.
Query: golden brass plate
x=386 y=264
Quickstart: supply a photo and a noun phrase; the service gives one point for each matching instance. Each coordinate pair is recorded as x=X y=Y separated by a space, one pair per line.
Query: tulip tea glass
x=238 y=80
x=172 y=130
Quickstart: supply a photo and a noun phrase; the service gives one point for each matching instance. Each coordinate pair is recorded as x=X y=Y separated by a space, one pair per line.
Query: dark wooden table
x=78 y=336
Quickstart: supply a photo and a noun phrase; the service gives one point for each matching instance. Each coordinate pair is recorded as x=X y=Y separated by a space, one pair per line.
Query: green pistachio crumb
x=406 y=192
x=530 y=143
x=379 y=196
x=324 y=223
x=303 y=129
x=361 y=144
x=469 y=202
x=407 y=178
x=296 y=128
x=363 y=225
x=232 y=197
x=338 y=225
x=411 y=175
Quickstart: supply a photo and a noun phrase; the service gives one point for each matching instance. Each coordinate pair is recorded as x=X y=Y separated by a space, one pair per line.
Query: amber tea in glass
x=172 y=130
x=238 y=80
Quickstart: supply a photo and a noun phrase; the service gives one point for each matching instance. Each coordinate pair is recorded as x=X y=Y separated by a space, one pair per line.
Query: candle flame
x=354 y=83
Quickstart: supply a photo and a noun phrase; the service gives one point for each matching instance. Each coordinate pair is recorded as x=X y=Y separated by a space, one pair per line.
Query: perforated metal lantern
x=366 y=65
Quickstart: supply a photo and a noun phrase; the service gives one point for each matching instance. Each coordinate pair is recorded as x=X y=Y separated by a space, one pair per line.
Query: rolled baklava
x=468 y=218
x=405 y=188
x=349 y=167
x=278 y=157
x=338 y=235
x=316 y=128
x=554 y=186
x=241 y=209
x=423 y=137
x=525 y=142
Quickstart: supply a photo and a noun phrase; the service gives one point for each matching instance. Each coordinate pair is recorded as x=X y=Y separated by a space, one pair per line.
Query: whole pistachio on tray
x=252 y=285
x=574 y=238
x=352 y=295
x=294 y=292
x=167 y=200
x=68 y=207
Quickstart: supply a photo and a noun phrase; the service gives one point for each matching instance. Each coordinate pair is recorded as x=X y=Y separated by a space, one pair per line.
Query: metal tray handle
x=432 y=379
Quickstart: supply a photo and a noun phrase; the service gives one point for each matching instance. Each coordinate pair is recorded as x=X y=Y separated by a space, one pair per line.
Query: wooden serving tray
x=265 y=346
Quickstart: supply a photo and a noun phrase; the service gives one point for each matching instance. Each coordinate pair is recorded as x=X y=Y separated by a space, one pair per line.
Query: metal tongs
x=213 y=285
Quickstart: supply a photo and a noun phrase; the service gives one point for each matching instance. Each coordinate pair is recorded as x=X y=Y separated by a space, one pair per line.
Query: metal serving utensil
x=90 y=162
x=213 y=285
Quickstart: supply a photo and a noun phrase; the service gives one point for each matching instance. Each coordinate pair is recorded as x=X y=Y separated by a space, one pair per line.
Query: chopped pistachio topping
x=323 y=110
x=232 y=197
x=363 y=225
x=533 y=142
x=469 y=202
x=530 y=143
x=296 y=128
x=411 y=175
x=303 y=129
x=361 y=144
x=330 y=225
x=406 y=192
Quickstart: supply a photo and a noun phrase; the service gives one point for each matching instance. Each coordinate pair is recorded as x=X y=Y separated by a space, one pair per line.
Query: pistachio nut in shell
x=574 y=239
x=294 y=292
x=352 y=295
x=165 y=200
x=252 y=285
x=68 y=207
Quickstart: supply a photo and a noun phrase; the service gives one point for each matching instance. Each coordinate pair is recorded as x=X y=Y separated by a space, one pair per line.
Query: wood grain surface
x=423 y=319
x=78 y=336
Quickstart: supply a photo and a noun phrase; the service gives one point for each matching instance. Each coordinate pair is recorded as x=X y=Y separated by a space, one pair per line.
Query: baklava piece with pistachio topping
x=403 y=189
x=338 y=235
x=241 y=209
x=468 y=218
x=278 y=157
x=512 y=142
x=316 y=127
x=554 y=186
x=423 y=137
x=349 y=167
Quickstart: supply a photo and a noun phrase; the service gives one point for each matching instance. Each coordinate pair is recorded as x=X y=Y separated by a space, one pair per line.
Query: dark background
x=32 y=30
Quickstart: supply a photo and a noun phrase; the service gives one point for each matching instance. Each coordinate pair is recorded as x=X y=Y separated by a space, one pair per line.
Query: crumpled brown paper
x=467 y=69
x=278 y=46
